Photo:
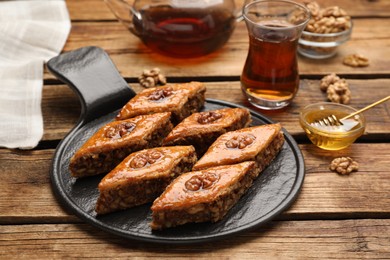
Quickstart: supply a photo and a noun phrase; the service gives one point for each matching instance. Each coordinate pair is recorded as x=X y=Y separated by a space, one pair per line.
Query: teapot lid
x=195 y=3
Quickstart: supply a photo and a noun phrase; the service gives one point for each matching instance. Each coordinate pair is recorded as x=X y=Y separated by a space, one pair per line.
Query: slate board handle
x=90 y=72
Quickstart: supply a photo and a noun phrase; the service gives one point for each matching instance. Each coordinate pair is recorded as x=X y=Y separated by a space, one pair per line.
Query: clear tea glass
x=270 y=78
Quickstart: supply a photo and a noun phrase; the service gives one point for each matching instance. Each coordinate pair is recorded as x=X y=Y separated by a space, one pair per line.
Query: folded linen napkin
x=31 y=32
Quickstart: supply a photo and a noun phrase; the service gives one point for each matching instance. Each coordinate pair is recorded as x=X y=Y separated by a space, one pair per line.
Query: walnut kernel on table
x=328 y=80
x=356 y=60
x=339 y=92
x=337 y=89
x=152 y=78
x=344 y=165
x=327 y=20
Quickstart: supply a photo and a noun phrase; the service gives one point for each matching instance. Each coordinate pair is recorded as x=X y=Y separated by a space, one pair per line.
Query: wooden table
x=334 y=216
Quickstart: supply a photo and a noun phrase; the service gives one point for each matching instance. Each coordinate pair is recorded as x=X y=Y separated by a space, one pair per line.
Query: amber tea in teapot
x=179 y=28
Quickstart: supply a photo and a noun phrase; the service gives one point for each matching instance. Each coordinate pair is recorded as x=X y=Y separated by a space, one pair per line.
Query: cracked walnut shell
x=344 y=165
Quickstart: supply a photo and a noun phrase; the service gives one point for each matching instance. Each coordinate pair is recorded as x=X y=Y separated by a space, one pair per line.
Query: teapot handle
x=125 y=13
x=238 y=11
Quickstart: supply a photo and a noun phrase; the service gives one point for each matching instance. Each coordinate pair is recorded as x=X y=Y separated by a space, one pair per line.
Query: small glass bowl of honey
x=331 y=137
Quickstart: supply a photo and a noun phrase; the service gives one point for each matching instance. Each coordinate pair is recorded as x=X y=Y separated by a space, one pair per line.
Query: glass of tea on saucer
x=270 y=77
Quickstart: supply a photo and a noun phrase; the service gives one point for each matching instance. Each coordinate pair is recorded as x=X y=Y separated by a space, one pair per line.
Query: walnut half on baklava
x=116 y=140
x=203 y=128
x=202 y=196
x=143 y=176
x=180 y=99
x=258 y=143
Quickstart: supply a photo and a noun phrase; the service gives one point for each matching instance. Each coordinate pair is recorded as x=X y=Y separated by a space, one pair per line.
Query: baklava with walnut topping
x=203 y=128
x=202 y=196
x=180 y=99
x=258 y=143
x=116 y=140
x=143 y=176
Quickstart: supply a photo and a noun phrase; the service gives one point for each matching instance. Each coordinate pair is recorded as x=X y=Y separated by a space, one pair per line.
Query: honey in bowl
x=331 y=137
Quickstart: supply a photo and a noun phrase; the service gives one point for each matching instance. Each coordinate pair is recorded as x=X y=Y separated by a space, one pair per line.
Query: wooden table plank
x=343 y=217
x=26 y=195
x=360 y=194
x=61 y=107
x=346 y=239
x=27 y=188
x=81 y=10
x=370 y=37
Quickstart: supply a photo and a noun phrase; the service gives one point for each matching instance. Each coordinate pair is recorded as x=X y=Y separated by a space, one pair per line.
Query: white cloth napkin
x=31 y=32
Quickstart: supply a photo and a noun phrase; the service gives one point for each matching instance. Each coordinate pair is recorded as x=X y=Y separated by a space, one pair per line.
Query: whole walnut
x=339 y=92
x=344 y=165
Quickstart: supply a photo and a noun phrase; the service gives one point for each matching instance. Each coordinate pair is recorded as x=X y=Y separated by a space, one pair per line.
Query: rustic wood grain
x=27 y=188
x=343 y=217
x=370 y=37
x=81 y=10
x=343 y=239
x=26 y=196
x=61 y=106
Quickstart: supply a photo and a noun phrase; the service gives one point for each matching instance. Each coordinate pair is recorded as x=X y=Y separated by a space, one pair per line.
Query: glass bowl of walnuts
x=327 y=29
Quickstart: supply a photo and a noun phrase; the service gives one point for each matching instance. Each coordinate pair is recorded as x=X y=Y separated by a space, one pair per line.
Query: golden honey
x=331 y=137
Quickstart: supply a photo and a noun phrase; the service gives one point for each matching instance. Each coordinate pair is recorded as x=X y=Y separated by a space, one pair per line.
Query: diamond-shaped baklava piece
x=203 y=128
x=143 y=176
x=116 y=140
x=258 y=143
x=180 y=99
x=202 y=196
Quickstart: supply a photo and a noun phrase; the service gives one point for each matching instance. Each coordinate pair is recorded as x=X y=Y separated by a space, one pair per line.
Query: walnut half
x=331 y=19
x=152 y=78
x=356 y=60
x=198 y=182
x=336 y=88
x=208 y=117
x=344 y=165
x=119 y=130
x=144 y=159
x=328 y=80
x=339 y=92
x=160 y=93
x=240 y=142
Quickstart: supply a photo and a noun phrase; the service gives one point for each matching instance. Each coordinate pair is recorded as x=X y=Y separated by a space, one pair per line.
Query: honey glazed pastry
x=116 y=140
x=203 y=128
x=202 y=196
x=180 y=99
x=258 y=143
x=142 y=177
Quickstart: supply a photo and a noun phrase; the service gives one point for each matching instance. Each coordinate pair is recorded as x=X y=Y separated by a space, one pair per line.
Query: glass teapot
x=178 y=28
